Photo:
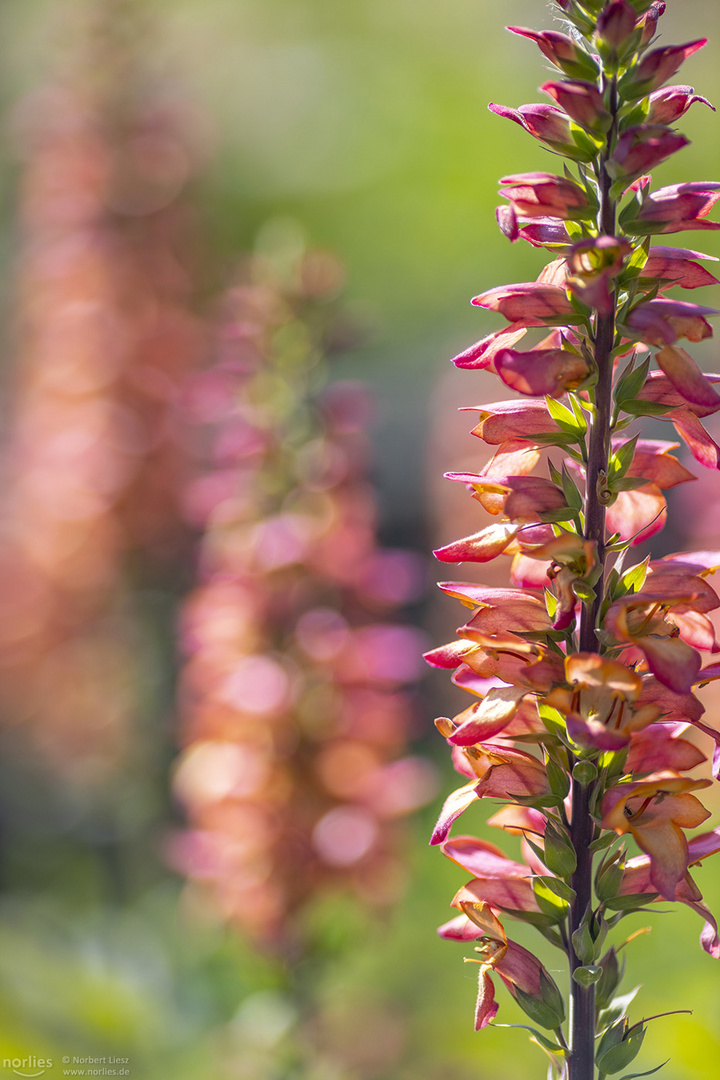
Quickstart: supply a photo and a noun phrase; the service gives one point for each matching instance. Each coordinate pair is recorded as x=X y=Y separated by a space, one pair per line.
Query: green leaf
x=557 y=886
x=548 y=901
x=634 y=577
x=550 y=516
x=565 y=418
x=617 y=1057
x=583 y=591
x=587 y=976
x=634 y=1076
x=628 y=483
x=622 y=459
x=631 y=901
x=631 y=382
x=617 y=1009
x=640 y=407
x=606 y=839
x=542 y=1039
x=570 y=490
x=539 y=1011
x=559 y=781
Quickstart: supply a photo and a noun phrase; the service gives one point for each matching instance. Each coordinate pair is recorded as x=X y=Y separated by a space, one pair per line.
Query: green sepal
x=617 y=1057
x=558 y=779
x=554 y=1048
x=560 y=855
x=538 y=1010
x=612 y=973
x=557 y=886
x=631 y=382
x=631 y=902
x=640 y=407
x=548 y=901
x=649 y=1072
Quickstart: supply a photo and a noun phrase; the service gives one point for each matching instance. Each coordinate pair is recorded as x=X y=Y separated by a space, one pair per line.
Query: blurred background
x=239 y=240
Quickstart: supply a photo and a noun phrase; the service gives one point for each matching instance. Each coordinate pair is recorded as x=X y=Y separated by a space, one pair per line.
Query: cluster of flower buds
x=296 y=690
x=584 y=671
x=104 y=338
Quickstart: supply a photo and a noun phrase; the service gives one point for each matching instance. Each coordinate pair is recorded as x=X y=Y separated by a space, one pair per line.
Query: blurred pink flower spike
x=672 y=102
x=655 y=811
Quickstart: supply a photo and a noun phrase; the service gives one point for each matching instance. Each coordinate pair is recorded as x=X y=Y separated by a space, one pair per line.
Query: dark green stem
x=582 y=999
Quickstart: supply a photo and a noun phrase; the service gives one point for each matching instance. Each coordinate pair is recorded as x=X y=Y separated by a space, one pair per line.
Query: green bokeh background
x=365 y=123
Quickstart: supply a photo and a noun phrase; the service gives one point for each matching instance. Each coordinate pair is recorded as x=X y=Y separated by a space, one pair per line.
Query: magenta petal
x=592 y=734
x=455 y=804
x=702 y=447
x=686 y=376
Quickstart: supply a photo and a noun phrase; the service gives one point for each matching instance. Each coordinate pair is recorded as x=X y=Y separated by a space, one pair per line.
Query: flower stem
x=582 y=999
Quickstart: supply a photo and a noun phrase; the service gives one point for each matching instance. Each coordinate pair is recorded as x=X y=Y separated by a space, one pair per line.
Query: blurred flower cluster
x=104 y=339
x=296 y=691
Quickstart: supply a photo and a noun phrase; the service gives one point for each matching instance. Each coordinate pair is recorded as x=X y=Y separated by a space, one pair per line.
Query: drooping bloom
x=655 y=811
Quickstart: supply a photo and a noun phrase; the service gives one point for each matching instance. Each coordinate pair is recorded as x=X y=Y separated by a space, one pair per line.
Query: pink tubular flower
x=481 y=547
x=524 y=498
x=533 y=303
x=655 y=811
x=561 y=51
x=677 y=208
x=544 y=195
x=583 y=103
x=641 y=148
x=482 y=354
x=547 y=124
x=541 y=371
x=518 y=968
x=662 y=322
x=544 y=232
x=648 y=23
x=637 y=879
x=672 y=102
x=503 y=420
x=657 y=67
x=686 y=377
x=616 y=22
x=639 y=620
x=670 y=266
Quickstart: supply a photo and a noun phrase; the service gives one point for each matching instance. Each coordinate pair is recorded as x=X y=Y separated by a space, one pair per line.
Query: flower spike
x=583 y=673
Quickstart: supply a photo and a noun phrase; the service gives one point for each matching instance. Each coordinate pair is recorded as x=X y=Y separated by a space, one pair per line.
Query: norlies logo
x=28 y=1066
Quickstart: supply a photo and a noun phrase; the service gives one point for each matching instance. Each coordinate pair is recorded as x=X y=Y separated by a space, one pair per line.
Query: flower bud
x=616 y=23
